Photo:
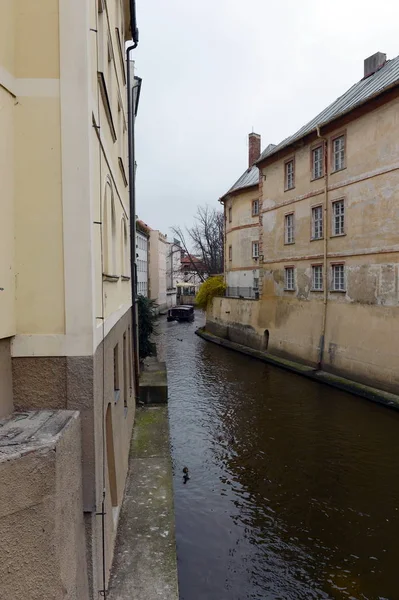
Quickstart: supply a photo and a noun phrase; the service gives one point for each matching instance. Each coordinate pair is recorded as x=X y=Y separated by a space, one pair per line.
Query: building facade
x=65 y=276
x=158 y=252
x=173 y=272
x=328 y=239
x=242 y=227
x=142 y=237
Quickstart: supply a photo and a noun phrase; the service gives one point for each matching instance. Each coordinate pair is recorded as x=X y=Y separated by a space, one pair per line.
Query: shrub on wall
x=147 y=317
x=212 y=287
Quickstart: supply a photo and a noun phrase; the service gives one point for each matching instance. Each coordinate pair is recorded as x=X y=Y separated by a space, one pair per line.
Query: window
x=289 y=228
x=338 y=217
x=338 y=153
x=289 y=175
x=338 y=278
x=116 y=373
x=317 y=162
x=255 y=207
x=317 y=223
x=125 y=371
x=230 y=214
x=255 y=249
x=317 y=278
x=109 y=233
x=230 y=252
x=289 y=278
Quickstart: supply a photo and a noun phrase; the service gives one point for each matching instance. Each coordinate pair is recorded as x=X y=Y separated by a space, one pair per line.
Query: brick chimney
x=374 y=63
x=253 y=148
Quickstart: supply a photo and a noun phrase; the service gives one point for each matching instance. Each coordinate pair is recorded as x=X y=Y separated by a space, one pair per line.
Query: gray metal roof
x=359 y=93
x=249 y=178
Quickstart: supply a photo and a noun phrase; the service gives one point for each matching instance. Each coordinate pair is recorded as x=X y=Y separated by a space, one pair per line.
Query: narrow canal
x=294 y=486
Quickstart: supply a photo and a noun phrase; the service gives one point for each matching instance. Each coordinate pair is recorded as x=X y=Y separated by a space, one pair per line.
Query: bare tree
x=207 y=239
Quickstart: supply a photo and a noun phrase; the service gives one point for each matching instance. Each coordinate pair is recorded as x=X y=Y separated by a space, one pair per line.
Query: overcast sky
x=214 y=69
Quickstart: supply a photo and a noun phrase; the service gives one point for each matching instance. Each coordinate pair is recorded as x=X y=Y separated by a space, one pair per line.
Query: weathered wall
x=240 y=233
x=42 y=554
x=76 y=383
x=6 y=398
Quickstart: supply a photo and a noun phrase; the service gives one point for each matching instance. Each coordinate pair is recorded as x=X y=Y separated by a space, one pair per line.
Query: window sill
x=338 y=291
x=289 y=189
x=314 y=290
x=334 y=235
x=338 y=170
x=117 y=395
x=289 y=290
x=317 y=178
x=125 y=278
x=288 y=243
x=111 y=278
x=320 y=239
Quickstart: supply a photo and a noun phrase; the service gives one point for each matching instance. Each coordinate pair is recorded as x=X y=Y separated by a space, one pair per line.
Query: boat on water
x=181 y=313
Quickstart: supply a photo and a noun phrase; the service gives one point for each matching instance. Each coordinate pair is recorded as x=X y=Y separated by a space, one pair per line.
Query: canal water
x=294 y=486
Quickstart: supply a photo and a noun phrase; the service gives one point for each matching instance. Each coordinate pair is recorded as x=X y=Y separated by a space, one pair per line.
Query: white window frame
x=338 y=153
x=317 y=278
x=289 y=279
x=255 y=203
x=317 y=222
x=289 y=233
x=289 y=174
x=338 y=279
x=255 y=249
x=338 y=220
x=317 y=162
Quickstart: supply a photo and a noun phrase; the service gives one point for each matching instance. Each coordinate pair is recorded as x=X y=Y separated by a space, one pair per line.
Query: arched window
x=125 y=267
x=109 y=232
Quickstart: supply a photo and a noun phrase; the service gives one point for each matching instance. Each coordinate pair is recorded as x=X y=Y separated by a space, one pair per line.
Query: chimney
x=254 y=148
x=374 y=63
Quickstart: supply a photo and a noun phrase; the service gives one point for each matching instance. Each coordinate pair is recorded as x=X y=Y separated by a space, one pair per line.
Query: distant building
x=158 y=252
x=173 y=272
x=142 y=244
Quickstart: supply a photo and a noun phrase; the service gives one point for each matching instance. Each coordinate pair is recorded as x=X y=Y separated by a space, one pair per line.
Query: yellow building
x=65 y=285
x=328 y=239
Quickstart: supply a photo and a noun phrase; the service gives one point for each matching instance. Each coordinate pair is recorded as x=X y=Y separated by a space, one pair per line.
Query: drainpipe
x=325 y=231
x=131 y=113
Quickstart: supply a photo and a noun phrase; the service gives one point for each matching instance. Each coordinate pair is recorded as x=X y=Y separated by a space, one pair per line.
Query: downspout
x=132 y=195
x=325 y=232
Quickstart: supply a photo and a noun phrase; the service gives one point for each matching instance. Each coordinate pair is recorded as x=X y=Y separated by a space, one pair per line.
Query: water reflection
x=294 y=490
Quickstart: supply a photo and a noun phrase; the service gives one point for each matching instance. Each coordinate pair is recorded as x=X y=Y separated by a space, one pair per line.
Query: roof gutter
x=132 y=106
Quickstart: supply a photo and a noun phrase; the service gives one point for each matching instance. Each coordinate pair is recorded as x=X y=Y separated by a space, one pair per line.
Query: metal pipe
x=325 y=234
x=132 y=194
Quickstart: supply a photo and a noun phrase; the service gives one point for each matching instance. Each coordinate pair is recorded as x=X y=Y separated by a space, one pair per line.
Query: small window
x=338 y=153
x=317 y=278
x=317 y=223
x=317 y=162
x=289 y=175
x=116 y=372
x=230 y=214
x=289 y=228
x=125 y=371
x=338 y=278
x=289 y=278
x=255 y=208
x=230 y=252
x=338 y=217
x=255 y=249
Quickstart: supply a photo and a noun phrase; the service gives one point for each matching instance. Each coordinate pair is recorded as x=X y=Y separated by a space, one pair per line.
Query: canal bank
x=373 y=394
x=293 y=489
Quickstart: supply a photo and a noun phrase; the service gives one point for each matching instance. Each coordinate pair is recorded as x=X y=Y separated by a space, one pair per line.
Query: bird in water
x=186 y=476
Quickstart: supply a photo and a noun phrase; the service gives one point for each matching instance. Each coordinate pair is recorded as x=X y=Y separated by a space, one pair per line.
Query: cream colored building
x=158 y=253
x=65 y=277
x=328 y=239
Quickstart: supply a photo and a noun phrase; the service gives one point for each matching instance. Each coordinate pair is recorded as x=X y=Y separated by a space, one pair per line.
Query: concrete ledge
x=365 y=391
x=153 y=383
x=145 y=563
